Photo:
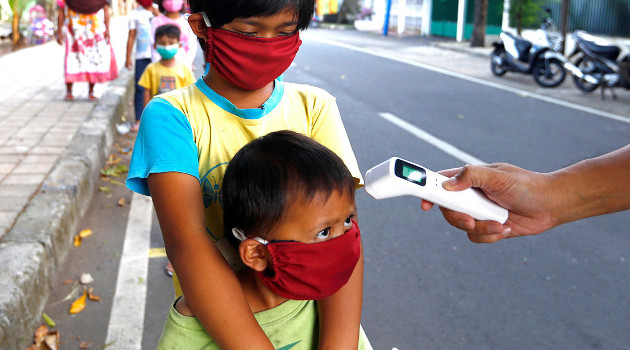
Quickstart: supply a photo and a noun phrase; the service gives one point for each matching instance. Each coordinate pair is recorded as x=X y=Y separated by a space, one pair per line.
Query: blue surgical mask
x=167 y=51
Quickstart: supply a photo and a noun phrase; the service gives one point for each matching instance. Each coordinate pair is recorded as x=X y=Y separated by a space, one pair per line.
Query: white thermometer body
x=398 y=177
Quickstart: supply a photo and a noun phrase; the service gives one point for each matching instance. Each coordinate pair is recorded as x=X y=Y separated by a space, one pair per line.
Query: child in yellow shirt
x=166 y=74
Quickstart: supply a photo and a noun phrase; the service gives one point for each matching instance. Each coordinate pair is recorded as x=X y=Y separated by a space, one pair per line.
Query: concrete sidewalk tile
x=6 y=167
x=24 y=179
x=31 y=168
x=8 y=204
x=10 y=158
x=40 y=159
x=59 y=140
x=13 y=150
x=19 y=141
x=7 y=218
x=18 y=190
x=53 y=150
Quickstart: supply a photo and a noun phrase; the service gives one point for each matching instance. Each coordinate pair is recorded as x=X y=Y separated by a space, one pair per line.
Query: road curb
x=36 y=246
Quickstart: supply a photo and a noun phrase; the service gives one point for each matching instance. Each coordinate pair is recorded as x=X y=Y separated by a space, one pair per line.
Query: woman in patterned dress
x=89 y=57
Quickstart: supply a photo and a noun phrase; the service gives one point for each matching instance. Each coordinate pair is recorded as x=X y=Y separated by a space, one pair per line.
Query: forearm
x=223 y=312
x=340 y=314
x=210 y=286
x=146 y=96
x=592 y=187
x=130 y=41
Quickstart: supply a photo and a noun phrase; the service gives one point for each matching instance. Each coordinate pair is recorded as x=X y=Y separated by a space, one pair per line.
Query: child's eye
x=348 y=222
x=323 y=234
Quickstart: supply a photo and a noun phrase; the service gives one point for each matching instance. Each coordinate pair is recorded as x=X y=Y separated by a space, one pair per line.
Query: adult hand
x=526 y=194
x=59 y=38
x=129 y=64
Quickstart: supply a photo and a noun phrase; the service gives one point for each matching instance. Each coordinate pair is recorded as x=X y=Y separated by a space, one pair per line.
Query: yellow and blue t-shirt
x=196 y=131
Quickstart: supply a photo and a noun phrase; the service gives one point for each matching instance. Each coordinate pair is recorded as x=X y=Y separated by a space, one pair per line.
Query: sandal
x=168 y=269
x=69 y=97
x=92 y=97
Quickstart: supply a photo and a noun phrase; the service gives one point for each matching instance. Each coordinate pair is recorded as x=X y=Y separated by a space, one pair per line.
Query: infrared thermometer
x=398 y=177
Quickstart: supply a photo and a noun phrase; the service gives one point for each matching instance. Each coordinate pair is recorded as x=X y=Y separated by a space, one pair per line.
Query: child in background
x=166 y=74
x=174 y=16
x=188 y=136
x=140 y=35
x=296 y=233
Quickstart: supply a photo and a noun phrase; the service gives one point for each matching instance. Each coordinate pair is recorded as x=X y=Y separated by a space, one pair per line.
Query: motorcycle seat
x=522 y=45
x=599 y=46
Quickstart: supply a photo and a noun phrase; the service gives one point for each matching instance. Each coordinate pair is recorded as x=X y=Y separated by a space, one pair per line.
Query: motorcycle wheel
x=587 y=67
x=498 y=69
x=549 y=75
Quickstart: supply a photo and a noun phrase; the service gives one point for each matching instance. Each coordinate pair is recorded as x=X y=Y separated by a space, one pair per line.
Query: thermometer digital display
x=397 y=177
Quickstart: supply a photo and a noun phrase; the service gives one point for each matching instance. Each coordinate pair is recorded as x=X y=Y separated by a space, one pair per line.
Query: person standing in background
x=188 y=39
x=84 y=27
x=140 y=34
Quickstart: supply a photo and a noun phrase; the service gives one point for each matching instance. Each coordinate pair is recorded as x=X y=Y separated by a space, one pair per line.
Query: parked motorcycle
x=516 y=54
x=601 y=63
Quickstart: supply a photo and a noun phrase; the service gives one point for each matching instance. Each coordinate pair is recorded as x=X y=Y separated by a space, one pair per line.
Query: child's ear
x=198 y=25
x=253 y=254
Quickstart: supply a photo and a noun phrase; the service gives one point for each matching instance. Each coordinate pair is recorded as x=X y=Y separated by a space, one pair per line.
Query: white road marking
x=126 y=322
x=517 y=91
x=425 y=136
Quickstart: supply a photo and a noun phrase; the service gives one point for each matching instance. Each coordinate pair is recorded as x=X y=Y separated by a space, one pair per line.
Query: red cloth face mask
x=311 y=271
x=249 y=62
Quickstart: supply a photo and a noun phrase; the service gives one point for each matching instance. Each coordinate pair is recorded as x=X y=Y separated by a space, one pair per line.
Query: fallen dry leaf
x=77 y=240
x=68 y=281
x=85 y=344
x=52 y=340
x=44 y=339
x=40 y=333
x=86 y=278
x=79 y=304
x=85 y=233
x=121 y=202
x=93 y=296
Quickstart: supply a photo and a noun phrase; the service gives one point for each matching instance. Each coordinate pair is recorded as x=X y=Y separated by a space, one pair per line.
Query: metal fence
x=605 y=17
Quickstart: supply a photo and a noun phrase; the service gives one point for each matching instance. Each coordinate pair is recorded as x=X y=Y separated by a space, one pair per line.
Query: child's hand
x=59 y=39
x=129 y=64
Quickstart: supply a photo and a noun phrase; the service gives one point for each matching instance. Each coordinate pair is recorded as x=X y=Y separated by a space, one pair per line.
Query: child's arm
x=106 y=20
x=130 y=40
x=147 y=96
x=340 y=314
x=210 y=286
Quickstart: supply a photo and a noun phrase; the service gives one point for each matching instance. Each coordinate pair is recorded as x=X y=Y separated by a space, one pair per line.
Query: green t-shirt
x=292 y=325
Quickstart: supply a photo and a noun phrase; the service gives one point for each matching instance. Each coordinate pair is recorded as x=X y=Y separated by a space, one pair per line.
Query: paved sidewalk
x=50 y=155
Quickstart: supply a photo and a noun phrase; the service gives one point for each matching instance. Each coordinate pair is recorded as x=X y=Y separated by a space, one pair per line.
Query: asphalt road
x=426 y=286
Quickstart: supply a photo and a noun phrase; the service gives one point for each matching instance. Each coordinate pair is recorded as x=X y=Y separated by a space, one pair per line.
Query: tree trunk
x=15 y=25
x=478 y=38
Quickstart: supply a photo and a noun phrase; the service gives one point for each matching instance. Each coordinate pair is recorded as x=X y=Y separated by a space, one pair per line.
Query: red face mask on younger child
x=312 y=271
x=249 y=62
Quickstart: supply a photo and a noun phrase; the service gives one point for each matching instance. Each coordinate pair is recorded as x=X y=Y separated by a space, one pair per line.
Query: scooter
x=516 y=54
x=601 y=63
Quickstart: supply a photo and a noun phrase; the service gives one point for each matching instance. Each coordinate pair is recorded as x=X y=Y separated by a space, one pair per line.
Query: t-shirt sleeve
x=328 y=130
x=145 y=79
x=164 y=144
x=132 y=21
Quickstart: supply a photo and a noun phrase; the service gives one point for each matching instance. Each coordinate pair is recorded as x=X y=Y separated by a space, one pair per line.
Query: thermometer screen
x=410 y=172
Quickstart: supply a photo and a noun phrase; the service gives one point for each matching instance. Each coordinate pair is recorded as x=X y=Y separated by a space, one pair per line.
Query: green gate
x=444 y=17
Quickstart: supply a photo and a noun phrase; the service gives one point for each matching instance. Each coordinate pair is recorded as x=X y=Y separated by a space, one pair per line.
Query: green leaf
x=49 y=321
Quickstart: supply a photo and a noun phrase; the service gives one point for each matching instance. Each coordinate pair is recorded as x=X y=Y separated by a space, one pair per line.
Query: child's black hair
x=221 y=12
x=169 y=30
x=270 y=173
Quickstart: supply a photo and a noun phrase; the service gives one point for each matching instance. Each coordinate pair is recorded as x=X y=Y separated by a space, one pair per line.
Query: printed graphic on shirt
x=167 y=83
x=287 y=347
x=212 y=190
